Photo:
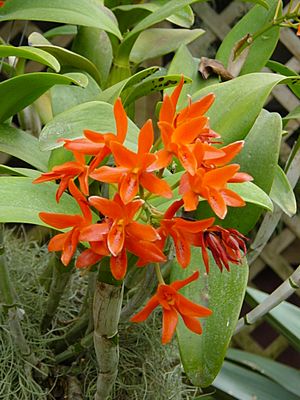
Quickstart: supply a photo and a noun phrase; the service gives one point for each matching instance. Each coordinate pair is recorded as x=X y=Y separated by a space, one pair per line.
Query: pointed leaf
x=284 y=70
x=282 y=193
x=21 y=201
x=156 y=42
x=262 y=47
x=95 y=45
x=29 y=87
x=252 y=193
x=30 y=53
x=63 y=30
x=30 y=173
x=242 y=384
x=22 y=145
x=76 y=12
x=94 y=115
x=64 y=56
x=295 y=114
x=285 y=376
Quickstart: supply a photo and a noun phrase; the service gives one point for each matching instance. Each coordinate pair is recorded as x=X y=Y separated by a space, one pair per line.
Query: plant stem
x=159 y=274
x=76 y=349
x=144 y=291
x=286 y=289
x=60 y=279
x=107 y=309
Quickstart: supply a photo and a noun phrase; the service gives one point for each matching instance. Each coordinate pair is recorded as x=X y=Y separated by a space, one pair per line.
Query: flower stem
x=159 y=274
x=286 y=289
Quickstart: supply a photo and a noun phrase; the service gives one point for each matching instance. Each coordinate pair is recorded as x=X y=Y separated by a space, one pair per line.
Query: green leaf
x=285 y=376
x=22 y=145
x=28 y=88
x=285 y=318
x=30 y=53
x=31 y=173
x=202 y=355
x=131 y=13
x=22 y=201
x=295 y=114
x=75 y=12
x=64 y=56
x=282 y=193
x=156 y=42
x=259 y=158
x=95 y=45
x=238 y=103
x=262 y=47
x=252 y=193
x=65 y=97
x=283 y=70
x=63 y=30
x=94 y=115
x=150 y=85
x=240 y=383
x=111 y=94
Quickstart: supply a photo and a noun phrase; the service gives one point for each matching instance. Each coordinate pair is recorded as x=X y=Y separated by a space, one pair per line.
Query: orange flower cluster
x=129 y=222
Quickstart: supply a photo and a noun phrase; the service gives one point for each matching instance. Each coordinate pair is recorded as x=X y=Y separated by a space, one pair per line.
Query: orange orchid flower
x=65 y=173
x=98 y=144
x=174 y=304
x=180 y=130
x=134 y=169
x=226 y=245
x=2 y=3
x=124 y=233
x=298 y=30
x=212 y=186
x=182 y=232
x=67 y=242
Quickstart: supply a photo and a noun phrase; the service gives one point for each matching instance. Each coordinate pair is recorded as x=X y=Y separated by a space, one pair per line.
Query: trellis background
x=281 y=255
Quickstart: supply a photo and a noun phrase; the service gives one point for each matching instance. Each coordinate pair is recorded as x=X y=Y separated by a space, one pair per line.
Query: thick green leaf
x=285 y=317
x=76 y=12
x=130 y=14
x=240 y=383
x=262 y=47
x=150 y=85
x=61 y=30
x=65 y=97
x=31 y=173
x=295 y=114
x=95 y=45
x=22 y=145
x=28 y=88
x=238 y=103
x=156 y=42
x=22 y=201
x=94 y=115
x=259 y=158
x=111 y=94
x=64 y=56
x=202 y=355
x=282 y=193
x=284 y=70
x=285 y=376
x=30 y=53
